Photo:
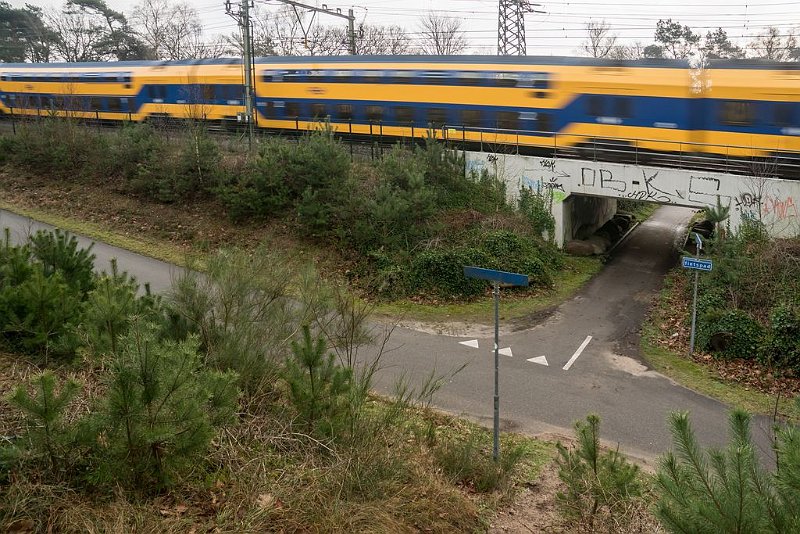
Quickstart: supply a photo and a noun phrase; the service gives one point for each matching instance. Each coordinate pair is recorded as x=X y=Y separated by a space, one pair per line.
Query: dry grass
x=265 y=474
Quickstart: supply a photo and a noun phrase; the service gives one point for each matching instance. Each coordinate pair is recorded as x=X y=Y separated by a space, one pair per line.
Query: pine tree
x=59 y=251
x=318 y=387
x=110 y=307
x=161 y=409
x=44 y=411
x=597 y=482
x=727 y=491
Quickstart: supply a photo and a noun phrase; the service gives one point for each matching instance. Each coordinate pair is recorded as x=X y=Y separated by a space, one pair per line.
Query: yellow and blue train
x=734 y=109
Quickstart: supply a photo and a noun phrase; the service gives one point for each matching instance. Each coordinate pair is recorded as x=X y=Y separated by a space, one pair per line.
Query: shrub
x=781 y=346
x=535 y=207
x=318 y=387
x=512 y=252
x=41 y=315
x=48 y=435
x=730 y=333
x=160 y=410
x=314 y=174
x=59 y=251
x=440 y=272
x=470 y=462
x=136 y=149
x=599 y=485
x=726 y=490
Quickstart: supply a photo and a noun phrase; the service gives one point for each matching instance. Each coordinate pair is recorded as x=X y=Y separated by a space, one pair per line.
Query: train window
x=404 y=114
x=342 y=76
x=374 y=113
x=295 y=76
x=622 y=107
x=208 y=92
x=437 y=117
x=124 y=105
x=783 y=114
x=508 y=120
x=436 y=77
x=544 y=122
x=272 y=76
x=344 y=112
x=471 y=77
x=292 y=110
x=594 y=106
x=319 y=111
x=506 y=79
x=402 y=76
x=95 y=103
x=736 y=112
x=114 y=104
x=371 y=76
x=471 y=118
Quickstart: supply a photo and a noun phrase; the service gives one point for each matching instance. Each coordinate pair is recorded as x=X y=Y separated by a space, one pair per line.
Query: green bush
x=313 y=175
x=535 y=207
x=729 y=333
x=511 y=252
x=781 y=346
x=440 y=272
x=59 y=251
x=318 y=386
x=160 y=410
x=599 y=485
x=136 y=149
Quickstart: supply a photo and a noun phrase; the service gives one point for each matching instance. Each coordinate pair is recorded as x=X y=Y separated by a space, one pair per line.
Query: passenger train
x=733 y=109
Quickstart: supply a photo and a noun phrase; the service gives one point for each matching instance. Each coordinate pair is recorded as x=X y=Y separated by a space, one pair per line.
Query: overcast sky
x=558 y=31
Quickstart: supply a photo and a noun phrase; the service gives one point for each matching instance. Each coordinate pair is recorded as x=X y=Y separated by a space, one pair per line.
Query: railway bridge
x=584 y=192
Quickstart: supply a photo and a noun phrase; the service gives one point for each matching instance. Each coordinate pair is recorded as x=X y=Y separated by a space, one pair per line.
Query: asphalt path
x=604 y=374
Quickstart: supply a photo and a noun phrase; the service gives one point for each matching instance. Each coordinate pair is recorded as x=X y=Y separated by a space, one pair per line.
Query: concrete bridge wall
x=572 y=182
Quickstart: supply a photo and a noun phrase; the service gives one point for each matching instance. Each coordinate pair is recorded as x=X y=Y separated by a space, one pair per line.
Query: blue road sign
x=697 y=263
x=513 y=279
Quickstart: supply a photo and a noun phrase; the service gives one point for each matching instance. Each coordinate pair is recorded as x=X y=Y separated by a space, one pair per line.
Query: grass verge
x=702 y=379
x=573 y=276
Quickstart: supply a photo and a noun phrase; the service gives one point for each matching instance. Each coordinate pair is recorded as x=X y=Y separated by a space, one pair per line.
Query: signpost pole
x=496 y=447
x=694 y=314
x=699 y=244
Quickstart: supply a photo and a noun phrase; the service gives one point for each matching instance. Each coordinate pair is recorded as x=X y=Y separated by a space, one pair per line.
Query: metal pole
x=496 y=447
x=351 y=27
x=694 y=314
x=248 y=71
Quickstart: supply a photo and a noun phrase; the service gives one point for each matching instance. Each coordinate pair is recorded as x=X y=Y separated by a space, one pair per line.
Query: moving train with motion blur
x=742 y=110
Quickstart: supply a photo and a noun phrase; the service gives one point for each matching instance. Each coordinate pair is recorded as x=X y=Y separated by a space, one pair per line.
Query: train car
x=751 y=109
x=129 y=90
x=535 y=102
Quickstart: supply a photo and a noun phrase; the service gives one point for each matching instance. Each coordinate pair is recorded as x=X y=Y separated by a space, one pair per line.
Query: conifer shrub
x=599 y=485
x=59 y=251
x=49 y=436
x=727 y=490
x=160 y=410
x=730 y=333
x=319 y=388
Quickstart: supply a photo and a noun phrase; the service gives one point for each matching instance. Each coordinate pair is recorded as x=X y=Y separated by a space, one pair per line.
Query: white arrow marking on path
x=506 y=352
x=541 y=360
x=473 y=343
x=577 y=353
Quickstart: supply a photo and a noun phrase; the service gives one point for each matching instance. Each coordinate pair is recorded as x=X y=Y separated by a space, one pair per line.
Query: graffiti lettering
x=549 y=164
x=588 y=176
x=780 y=209
x=553 y=184
x=747 y=200
x=607 y=181
x=491 y=158
x=650 y=191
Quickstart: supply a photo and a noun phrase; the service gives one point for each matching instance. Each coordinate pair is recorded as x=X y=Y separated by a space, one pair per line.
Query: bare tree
x=440 y=35
x=600 y=41
x=627 y=51
x=172 y=31
x=77 y=36
x=775 y=46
